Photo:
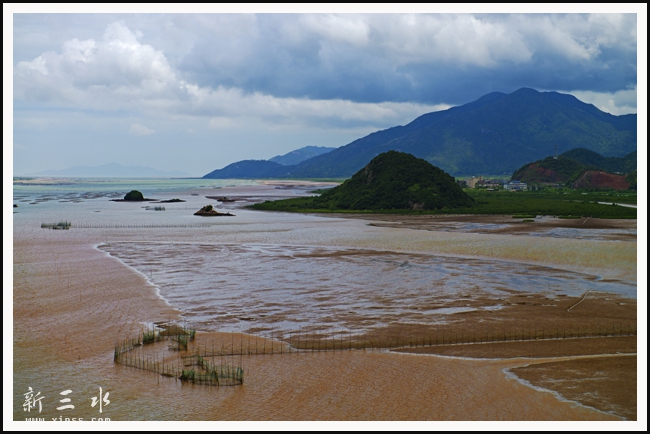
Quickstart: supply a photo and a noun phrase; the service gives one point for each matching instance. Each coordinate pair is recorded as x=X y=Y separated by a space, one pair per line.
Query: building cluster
x=515 y=185
x=479 y=182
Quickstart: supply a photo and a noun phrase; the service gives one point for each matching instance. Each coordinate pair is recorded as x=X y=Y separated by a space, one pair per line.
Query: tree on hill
x=550 y=169
x=589 y=158
x=396 y=180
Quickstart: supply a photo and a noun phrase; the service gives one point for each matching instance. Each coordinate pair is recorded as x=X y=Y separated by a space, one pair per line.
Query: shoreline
x=113 y=301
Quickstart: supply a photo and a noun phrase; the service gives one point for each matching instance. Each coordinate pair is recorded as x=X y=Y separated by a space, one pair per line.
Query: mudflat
x=73 y=302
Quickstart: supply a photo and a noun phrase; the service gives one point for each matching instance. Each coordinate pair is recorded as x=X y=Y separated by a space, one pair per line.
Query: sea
x=272 y=273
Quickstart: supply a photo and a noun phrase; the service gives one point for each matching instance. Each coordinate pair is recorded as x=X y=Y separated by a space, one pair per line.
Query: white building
x=515 y=185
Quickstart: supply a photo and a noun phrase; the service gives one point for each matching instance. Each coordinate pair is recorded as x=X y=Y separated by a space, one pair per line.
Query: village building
x=515 y=185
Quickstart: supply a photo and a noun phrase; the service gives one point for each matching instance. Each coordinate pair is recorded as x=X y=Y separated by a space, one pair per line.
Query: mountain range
x=496 y=134
x=272 y=168
x=300 y=155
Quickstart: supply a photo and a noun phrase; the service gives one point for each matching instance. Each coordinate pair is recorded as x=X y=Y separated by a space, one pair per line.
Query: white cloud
x=140 y=130
x=455 y=39
x=350 y=29
x=101 y=75
x=118 y=72
x=222 y=123
x=231 y=104
x=616 y=103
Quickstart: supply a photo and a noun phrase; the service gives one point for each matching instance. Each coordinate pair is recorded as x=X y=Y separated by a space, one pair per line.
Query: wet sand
x=505 y=238
x=72 y=302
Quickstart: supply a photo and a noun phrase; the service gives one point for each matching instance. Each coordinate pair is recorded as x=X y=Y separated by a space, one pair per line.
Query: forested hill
x=396 y=180
x=570 y=165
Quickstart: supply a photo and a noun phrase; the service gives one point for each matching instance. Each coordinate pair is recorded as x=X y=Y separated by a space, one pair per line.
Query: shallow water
x=263 y=271
x=244 y=287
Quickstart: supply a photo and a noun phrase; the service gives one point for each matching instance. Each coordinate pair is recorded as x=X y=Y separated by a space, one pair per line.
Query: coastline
x=73 y=301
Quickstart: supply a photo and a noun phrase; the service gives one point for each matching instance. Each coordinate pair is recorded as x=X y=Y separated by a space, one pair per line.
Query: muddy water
x=291 y=289
x=73 y=301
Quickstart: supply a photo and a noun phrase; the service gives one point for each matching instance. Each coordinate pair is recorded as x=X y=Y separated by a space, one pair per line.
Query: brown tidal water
x=270 y=288
x=72 y=302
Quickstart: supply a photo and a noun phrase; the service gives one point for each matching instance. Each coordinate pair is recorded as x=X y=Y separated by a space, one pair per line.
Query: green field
x=550 y=203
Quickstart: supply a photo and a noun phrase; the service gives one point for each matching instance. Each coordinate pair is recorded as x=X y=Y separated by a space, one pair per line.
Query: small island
x=133 y=196
x=221 y=198
x=209 y=211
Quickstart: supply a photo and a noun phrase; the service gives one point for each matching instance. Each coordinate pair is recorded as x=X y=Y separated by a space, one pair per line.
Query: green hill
x=569 y=166
x=396 y=180
x=589 y=158
x=550 y=170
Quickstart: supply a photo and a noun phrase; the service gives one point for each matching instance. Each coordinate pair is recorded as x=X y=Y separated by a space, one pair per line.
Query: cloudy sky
x=197 y=91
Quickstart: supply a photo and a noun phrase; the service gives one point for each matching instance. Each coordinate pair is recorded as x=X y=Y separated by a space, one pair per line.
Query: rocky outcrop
x=209 y=211
x=593 y=179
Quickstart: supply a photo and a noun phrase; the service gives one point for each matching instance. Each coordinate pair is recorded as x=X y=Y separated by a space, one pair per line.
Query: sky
x=197 y=91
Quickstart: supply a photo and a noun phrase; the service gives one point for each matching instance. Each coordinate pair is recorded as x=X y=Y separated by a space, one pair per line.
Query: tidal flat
x=324 y=279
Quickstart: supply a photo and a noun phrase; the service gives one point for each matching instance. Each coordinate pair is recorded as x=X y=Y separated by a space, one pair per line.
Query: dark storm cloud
x=371 y=58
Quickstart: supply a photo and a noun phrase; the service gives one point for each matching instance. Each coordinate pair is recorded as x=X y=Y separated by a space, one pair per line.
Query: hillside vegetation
x=580 y=168
x=396 y=180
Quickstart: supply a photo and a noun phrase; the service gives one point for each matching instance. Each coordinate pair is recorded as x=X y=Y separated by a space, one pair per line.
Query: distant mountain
x=112 y=170
x=273 y=168
x=495 y=134
x=396 y=180
x=248 y=169
x=300 y=155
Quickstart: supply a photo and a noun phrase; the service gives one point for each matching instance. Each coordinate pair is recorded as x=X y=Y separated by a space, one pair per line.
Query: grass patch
x=148 y=337
x=60 y=225
x=524 y=204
